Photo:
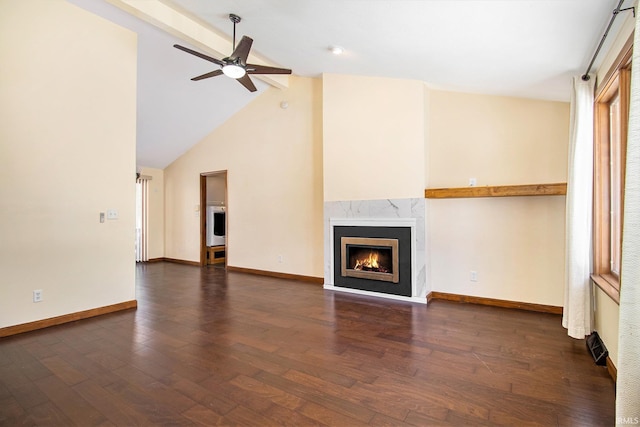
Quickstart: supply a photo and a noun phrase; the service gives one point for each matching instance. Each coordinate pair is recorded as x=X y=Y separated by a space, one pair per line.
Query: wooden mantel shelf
x=558 y=189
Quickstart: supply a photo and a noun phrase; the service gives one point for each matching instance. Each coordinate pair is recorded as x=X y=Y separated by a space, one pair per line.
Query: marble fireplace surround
x=384 y=213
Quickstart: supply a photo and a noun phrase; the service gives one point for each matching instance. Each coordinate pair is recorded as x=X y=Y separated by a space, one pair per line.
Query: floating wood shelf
x=558 y=189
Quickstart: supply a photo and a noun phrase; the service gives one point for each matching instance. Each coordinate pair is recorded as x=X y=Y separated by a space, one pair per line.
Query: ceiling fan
x=235 y=65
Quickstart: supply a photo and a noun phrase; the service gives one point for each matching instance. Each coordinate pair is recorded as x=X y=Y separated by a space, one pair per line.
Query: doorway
x=213 y=218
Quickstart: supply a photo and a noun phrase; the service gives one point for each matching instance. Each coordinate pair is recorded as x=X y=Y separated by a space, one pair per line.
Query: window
x=616 y=169
x=611 y=120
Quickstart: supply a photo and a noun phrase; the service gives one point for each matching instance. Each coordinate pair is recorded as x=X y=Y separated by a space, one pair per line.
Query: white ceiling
x=522 y=48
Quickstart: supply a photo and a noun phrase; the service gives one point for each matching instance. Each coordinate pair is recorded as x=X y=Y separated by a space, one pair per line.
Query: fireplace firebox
x=369 y=258
x=372 y=258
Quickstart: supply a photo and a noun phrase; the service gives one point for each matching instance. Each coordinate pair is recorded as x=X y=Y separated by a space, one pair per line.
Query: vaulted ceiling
x=521 y=48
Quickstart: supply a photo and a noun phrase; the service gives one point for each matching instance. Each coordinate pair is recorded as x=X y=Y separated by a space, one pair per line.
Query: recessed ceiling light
x=336 y=50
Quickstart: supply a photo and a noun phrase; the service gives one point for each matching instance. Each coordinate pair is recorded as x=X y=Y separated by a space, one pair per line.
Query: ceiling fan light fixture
x=233 y=71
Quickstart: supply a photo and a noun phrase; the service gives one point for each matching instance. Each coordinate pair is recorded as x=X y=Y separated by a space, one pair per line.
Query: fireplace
x=365 y=219
x=369 y=258
x=373 y=258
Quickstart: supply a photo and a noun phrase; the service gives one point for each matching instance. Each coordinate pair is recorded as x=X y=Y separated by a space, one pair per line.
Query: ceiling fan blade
x=242 y=50
x=207 y=75
x=199 y=55
x=246 y=82
x=263 y=69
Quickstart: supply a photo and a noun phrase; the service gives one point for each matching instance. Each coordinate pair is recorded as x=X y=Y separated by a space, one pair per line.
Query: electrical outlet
x=472 y=182
x=37 y=295
x=280 y=258
x=112 y=214
x=473 y=276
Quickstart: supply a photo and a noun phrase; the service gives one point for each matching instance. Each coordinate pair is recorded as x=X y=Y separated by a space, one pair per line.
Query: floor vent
x=597 y=349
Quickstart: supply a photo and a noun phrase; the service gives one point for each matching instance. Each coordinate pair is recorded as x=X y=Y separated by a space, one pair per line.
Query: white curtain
x=578 y=312
x=628 y=385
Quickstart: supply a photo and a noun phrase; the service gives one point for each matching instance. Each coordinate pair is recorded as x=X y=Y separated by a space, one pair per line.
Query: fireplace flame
x=370 y=263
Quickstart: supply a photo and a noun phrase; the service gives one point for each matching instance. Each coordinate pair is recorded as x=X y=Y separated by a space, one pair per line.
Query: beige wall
x=422 y=138
x=373 y=138
x=497 y=140
x=273 y=158
x=606 y=320
x=67 y=153
x=516 y=245
x=155 y=226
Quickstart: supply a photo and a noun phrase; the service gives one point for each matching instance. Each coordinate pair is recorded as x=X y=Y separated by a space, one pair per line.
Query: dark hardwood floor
x=208 y=347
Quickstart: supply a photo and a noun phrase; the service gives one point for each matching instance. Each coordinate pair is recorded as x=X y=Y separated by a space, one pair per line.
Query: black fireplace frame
x=403 y=234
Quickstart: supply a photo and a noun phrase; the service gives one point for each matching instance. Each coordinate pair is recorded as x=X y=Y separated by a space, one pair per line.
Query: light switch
x=112 y=214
